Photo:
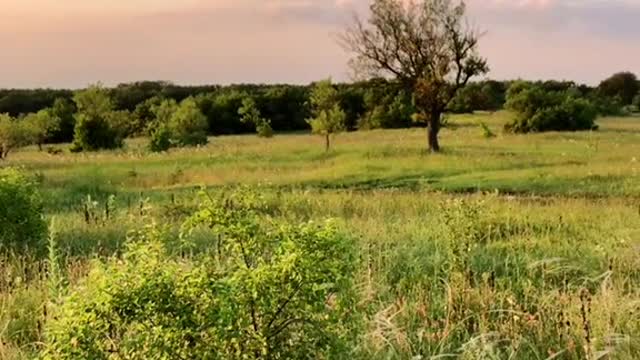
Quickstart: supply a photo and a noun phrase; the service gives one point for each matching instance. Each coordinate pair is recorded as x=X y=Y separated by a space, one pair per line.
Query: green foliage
x=486 y=130
x=250 y=114
x=480 y=96
x=160 y=138
x=63 y=110
x=177 y=125
x=160 y=134
x=41 y=126
x=608 y=106
x=13 y=134
x=187 y=125
x=328 y=117
x=144 y=115
x=97 y=126
x=636 y=102
x=538 y=110
x=24 y=101
x=623 y=85
x=270 y=290
x=21 y=213
x=386 y=110
x=221 y=110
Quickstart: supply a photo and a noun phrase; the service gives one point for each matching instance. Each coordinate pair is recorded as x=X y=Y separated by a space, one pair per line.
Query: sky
x=72 y=43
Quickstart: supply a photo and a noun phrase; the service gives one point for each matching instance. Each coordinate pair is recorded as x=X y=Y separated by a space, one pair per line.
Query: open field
x=593 y=164
x=511 y=247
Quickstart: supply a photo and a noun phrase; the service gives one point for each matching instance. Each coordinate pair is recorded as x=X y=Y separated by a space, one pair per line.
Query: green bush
x=160 y=139
x=177 y=125
x=264 y=130
x=21 y=212
x=13 y=134
x=269 y=290
x=188 y=126
x=250 y=114
x=539 y=110
x=98 y=125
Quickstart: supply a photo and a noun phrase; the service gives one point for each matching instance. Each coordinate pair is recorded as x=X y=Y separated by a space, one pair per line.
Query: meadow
x=500 y=247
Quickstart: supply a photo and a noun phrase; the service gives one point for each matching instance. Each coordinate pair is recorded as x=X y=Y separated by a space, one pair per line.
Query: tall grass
x=513 y=247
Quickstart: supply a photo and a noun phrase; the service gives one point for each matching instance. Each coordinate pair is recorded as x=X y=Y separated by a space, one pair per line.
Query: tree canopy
x=426 y=45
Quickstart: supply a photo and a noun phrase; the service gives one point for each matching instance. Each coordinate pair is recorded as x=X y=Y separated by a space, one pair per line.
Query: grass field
x=510 y=247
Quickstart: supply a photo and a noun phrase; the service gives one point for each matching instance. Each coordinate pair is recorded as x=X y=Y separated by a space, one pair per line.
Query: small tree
x=328 y=117
x=177 y=125
x=63 y=110
x=623 y=85
x=188 y=125
x=426 y=45
x=250 y=114
x=13 y=134
x=160 y=135
x=144 y=115
x=41 y=126
x=22 y=224
x=97 y=126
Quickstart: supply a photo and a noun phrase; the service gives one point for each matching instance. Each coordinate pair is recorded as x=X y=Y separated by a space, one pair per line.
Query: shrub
x=607 y=106
x=160 y=139
x=269 y=290
x=264 y=130
x=538 y=110
x=188 y=126
x=21 y=212
x=97 y=126
x=177 y=125
x=623 y=85
x=63 y=110
x=13 y=134
x=250 y=114
x=41 y=126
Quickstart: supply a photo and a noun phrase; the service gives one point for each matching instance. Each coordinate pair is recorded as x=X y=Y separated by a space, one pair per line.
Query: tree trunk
x=39 y=146
x=327 y=143
x=433 y=130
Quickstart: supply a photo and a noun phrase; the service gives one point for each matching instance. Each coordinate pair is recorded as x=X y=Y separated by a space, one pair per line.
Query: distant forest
x=377 y=103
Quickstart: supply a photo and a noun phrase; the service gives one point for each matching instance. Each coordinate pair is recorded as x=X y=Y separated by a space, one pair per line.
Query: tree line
x=43 y=116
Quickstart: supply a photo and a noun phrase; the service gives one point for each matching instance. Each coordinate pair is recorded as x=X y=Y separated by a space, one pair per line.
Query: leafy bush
x=97 y=126
x=63 y=110
x=623 y=85
x=386 y=110
x=250 y=114
x=188 y=126
x=21 y=212
x=13 y=134
x=41 y=126
x=160 y=139
x=177 y=125
x=268 y=290
x=538 y=110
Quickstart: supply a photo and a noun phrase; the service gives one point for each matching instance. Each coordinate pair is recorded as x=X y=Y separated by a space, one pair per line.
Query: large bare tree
x=427 y=45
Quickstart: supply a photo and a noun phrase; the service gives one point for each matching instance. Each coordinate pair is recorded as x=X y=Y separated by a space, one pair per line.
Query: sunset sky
x=71 y=43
